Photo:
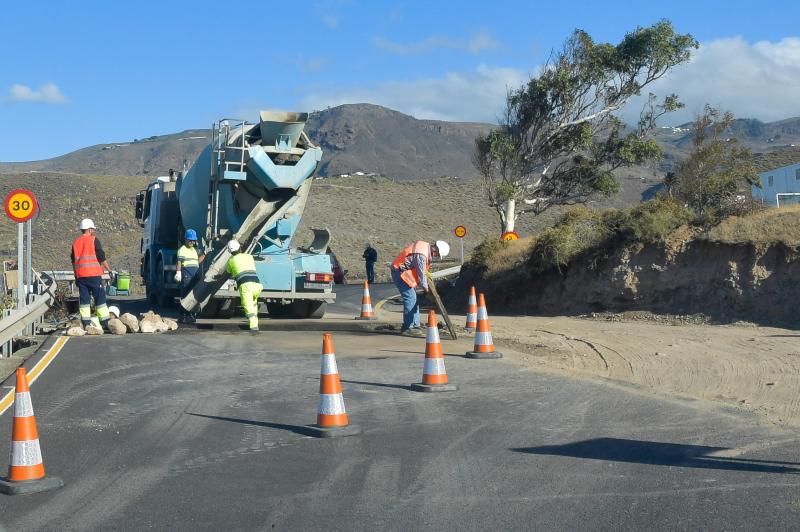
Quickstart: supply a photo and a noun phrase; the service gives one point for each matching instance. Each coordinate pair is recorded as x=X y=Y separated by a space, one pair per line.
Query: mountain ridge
x=371 y=139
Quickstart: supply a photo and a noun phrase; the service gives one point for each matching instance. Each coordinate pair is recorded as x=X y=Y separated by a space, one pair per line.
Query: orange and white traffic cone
x=472 y=311
x=331 y=415
x=26 y=471
x=366 y=305
x=484 y=345
x=434 y=375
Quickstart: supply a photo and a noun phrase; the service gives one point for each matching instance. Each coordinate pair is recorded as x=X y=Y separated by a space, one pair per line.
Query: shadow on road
x=297 y=429
x=661 y=454
x=381 y=384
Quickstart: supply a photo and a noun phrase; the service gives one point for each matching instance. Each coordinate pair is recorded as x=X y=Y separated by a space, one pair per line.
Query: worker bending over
x=242 y=268
x=186 y=266
x=89 y=263
x=409 y=274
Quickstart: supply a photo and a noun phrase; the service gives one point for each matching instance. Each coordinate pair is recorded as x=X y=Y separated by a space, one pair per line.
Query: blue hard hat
x=190 y=235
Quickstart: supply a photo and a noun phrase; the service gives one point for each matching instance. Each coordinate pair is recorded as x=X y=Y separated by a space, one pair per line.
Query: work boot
x=190 y=319
x=412 y=332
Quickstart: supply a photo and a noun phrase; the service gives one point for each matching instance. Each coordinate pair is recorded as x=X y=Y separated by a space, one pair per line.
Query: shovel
x=440 y=306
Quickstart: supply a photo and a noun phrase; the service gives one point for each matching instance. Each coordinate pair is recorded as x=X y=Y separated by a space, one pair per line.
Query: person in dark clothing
x=370 y=258
x=89 y=263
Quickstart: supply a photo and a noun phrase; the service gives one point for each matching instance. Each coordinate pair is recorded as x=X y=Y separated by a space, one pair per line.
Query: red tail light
x=319 y=277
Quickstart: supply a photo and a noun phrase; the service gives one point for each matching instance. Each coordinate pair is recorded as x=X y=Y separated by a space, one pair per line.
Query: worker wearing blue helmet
x=188 y=263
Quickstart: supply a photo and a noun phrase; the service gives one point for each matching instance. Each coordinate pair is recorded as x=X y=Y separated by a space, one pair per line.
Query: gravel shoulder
x=755 y=369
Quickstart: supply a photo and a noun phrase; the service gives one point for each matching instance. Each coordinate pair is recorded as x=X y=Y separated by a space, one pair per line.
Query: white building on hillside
x=780 y=186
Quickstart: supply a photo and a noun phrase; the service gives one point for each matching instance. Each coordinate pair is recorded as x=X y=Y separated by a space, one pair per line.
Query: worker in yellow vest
x=408 y=273
x=242 y=268
x=187 y=264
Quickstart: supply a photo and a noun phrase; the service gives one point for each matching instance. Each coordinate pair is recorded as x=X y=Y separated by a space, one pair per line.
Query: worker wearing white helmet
x=242 y=267
x=409 y=270
x=89 y=263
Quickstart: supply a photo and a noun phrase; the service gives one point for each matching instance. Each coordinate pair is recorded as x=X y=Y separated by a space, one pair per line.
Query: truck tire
x=161 y=297
x=278 y=310
x=226 y=308
x=210 y=310
x=150 y=294
x=316 y=309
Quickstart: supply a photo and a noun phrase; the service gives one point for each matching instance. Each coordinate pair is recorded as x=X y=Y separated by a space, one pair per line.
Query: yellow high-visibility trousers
x=248 y=293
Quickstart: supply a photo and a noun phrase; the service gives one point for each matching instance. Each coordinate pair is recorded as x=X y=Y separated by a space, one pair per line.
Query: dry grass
x=65 y=199
x=763 y=227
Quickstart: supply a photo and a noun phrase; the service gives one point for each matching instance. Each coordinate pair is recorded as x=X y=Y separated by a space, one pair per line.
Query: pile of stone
x=149 y=322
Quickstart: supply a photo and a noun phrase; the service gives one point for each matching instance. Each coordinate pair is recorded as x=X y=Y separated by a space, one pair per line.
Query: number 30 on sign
x=21 y=205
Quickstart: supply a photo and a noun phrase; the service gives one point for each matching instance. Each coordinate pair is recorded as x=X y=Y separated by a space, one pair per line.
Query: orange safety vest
x=85 y=263
x=410 y=276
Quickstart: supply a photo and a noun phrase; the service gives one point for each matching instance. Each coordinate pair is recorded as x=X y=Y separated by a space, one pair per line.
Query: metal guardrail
x=24 y=320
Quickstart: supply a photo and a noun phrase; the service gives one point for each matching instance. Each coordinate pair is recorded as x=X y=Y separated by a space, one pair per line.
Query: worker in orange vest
x=89 y=263
x=409 y=274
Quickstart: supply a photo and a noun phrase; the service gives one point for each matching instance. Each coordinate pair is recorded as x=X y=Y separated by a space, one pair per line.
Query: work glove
x=178 y=276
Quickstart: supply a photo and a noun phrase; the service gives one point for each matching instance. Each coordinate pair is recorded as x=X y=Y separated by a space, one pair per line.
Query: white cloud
x=477 y=43
x=760 y=80
x=329 y=11
x=309 y=65
x=475 y=96
x=47 y=93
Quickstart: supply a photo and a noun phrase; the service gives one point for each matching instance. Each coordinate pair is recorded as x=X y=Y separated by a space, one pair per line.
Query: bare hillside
x=371 y=139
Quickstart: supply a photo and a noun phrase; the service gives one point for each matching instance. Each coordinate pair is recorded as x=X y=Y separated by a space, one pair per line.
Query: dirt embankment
x=727 y=282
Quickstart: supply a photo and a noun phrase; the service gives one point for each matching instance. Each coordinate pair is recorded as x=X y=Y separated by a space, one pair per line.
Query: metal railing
x=23 y=321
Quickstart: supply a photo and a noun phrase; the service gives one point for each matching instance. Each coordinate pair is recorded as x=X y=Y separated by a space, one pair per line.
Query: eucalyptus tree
x=560 y=137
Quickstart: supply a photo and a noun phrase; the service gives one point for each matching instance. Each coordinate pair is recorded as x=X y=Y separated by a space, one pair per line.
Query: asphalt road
x=202 y=430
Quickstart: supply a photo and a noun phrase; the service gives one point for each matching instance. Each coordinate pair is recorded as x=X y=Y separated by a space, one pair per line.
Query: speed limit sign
x=20 y=205
x=460 y=231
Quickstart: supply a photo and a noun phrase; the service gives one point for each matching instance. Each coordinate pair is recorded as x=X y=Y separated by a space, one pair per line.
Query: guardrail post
x=7 y=348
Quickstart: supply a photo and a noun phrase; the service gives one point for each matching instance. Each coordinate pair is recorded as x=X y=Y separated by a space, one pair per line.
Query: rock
x=130 y=321
x=149 y=314
x=75 y=331
x=94 y=330
x=116 y=326
x=149 y=324
x=172 y=325
x=161 y=326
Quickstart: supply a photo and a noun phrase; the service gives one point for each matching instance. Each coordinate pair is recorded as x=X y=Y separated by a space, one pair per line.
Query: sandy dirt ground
x=756 y=369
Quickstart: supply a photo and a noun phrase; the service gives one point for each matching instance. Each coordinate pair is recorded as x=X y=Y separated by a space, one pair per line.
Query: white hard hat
x=114 y=310
x=444 y=248
x=87 y=223
x=234 y=246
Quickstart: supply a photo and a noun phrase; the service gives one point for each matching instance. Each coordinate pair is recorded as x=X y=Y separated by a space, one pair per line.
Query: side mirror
x=139 y=206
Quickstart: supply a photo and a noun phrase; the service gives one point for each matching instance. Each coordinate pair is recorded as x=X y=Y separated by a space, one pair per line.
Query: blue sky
x=87 y=72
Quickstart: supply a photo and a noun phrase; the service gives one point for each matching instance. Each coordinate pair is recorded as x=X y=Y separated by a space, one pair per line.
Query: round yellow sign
x=510 y=235
x=460 y=231
x=21 y=205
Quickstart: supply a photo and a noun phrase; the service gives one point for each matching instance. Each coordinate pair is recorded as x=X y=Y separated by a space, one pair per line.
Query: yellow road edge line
x=37 y=370
x=380 y=303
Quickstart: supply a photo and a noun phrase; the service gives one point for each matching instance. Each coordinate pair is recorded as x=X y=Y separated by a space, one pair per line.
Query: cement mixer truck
x=250 y=183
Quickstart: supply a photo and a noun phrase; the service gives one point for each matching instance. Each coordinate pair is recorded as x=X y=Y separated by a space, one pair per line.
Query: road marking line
x=34 y=373
x=380 y=303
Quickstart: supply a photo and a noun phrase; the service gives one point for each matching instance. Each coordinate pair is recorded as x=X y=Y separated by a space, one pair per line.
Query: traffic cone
x=472 y=311
x=331 y=416
x=366 y=305
x=484 y=345
x=26 y=471
x=434 y=376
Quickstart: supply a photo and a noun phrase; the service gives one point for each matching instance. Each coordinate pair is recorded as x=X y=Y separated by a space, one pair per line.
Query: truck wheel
x=226 y=309
x=278 y=310
x=316 y=309
x=161 y=297
x=149 y=282
x=210 y=310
